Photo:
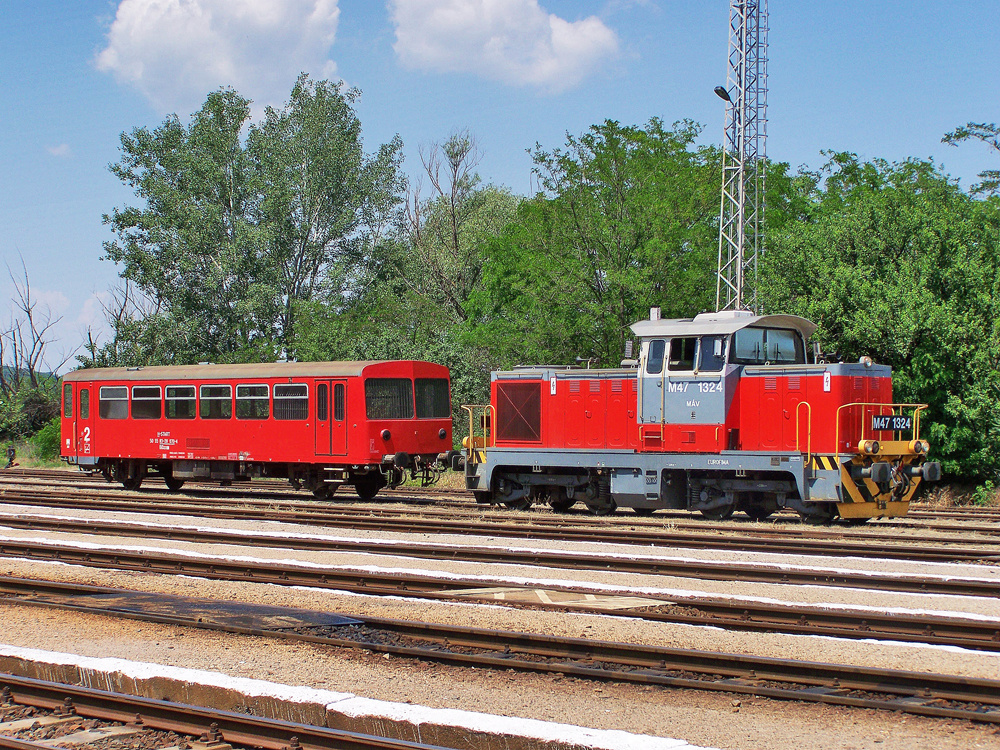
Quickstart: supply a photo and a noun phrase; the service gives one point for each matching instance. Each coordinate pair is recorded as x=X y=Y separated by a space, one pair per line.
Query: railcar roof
x=720 y=324
x=203 y=372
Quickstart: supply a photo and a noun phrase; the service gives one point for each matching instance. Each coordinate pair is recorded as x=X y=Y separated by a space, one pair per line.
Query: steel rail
x=219 y=568
x=757 y=542
x=235 y=728
x=928 y=694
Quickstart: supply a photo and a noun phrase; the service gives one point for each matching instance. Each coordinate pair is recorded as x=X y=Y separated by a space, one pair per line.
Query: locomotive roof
x=720 y=324
x=235 y=371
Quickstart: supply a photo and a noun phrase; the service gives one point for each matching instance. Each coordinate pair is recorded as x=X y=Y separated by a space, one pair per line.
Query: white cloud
x=514 y=41
x=177 y=51
x=62 y=149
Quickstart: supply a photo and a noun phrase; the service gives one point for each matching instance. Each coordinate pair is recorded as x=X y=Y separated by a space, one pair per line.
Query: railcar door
x=83 y=425
x=331 y=418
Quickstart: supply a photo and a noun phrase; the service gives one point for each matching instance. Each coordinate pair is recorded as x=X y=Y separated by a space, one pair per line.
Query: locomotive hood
x=720 y=324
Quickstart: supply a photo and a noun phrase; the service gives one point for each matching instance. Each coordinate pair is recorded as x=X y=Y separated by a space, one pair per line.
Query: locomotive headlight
x=868 y=447
x=442 y=433
x=919 y=446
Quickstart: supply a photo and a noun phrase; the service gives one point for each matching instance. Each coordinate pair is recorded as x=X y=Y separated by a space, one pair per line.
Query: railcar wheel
x=321 y=492
x=558 y=500
x=173 y=483
x=720 y=514
x=368 y=485
x=132 y=484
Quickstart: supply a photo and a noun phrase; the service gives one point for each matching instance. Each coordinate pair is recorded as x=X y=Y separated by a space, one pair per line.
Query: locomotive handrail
x=487 y=408
x=809 y=429
x=917 y=408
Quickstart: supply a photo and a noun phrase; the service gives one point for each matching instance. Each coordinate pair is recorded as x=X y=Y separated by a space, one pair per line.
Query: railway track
x=278 y=491
x=797 y=541
x=205 y=727
x=783 y=679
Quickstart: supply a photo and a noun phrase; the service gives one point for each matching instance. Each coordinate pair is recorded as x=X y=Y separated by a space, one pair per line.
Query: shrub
x=46 y=440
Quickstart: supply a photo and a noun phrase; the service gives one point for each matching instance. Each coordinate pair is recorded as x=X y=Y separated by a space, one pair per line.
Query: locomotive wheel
x=522 y=503
x=173 y=483
x=604 y=509
x=368 y=485
x=644 y=511
x=720 y=514
x=759 y=506
x=483 y=497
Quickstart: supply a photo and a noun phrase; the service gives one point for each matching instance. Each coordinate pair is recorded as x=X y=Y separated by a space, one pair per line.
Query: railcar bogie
x=721 y=413
x=317 y=425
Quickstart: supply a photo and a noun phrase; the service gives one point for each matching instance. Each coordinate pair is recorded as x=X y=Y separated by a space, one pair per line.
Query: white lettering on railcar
x=677 y=387
x=692 y=404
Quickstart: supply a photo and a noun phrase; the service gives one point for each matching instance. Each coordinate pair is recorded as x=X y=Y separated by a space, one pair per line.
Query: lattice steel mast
x=741 y=218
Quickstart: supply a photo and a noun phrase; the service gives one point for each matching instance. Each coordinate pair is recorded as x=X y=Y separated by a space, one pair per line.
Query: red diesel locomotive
x=721 y=412
x=317 y=424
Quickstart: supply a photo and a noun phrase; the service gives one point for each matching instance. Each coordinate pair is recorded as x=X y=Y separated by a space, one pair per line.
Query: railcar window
x=84 y=403
x=750 y=349
x=146 y=403
x=113 y=402
x=654 y=361
x=291 y=401
x=180 y=402
x=68 y=400
x=389 y=398
x=253 y=402
x=432 y=398
x=338 y=402
x=682 y=353
x=322 y=397
x=216 y=402
x=712 y=357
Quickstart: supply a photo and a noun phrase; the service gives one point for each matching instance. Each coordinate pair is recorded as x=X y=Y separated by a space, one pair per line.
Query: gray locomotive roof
x=201 y=372
x=720 y=324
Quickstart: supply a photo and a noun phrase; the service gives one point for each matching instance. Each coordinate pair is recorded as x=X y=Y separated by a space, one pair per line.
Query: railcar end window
x=682 y=354
x=654 y=360
x=253 y=401
x=322 y=401
x=113 y=402
x=180 y=402
x=338 y=402
x=84 y=403
x=146 y=403
x=432 y=398
x=68 y=400
x=389 y=398
x=216 y=402
x=291 y=401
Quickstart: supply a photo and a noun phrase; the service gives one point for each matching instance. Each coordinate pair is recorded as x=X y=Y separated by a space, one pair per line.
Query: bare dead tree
x=25 y=344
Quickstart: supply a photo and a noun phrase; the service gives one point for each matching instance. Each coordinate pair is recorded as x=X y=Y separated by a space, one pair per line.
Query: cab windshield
x=768 y=346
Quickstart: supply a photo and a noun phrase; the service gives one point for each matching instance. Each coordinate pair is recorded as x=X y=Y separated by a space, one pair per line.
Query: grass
x=28 y=457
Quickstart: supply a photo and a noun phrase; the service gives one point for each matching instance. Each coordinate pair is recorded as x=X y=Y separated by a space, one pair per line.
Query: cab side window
x=654 y=360
x=712 y=357
x=682 y=353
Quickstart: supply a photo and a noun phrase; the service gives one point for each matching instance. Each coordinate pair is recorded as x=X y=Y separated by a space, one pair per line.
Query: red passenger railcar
x=318 y=424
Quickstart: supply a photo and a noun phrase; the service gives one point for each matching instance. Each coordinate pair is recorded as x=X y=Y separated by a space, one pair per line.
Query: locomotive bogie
x=318 y=425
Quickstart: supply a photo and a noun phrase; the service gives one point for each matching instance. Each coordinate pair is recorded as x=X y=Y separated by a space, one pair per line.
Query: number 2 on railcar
x=318 y=424
x=721 y=412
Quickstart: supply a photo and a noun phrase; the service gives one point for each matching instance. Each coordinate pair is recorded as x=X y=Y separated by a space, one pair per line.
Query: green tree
x=895 y=261
x=234 y=231
x=988 y=134
x=626 y=219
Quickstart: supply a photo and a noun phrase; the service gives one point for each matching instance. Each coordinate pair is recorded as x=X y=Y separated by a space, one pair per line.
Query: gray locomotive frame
x=708 y=482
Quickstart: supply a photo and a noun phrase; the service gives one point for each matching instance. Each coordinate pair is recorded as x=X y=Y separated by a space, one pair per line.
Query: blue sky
x=882 y=79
